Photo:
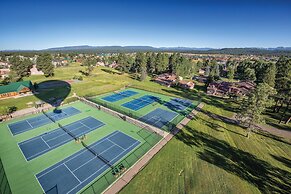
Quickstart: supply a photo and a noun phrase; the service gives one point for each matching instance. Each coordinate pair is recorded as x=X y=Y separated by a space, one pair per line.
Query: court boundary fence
x=124 y=117
x=130 y=115
x=4 y=183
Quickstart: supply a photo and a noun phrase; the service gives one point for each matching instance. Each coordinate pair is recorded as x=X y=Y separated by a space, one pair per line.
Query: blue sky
x=194 y=23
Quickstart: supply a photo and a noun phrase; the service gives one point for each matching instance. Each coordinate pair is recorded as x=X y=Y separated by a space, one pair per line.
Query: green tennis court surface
x=159 y=110
x=45 y=158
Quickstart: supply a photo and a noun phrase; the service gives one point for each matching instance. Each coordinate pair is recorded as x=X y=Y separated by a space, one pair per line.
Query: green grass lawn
x=21 y=174
x=211 y=156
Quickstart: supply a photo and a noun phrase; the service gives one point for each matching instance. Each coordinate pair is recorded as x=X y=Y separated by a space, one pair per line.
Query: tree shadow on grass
x=266 y=177
x=285 y=161
x=110 y=71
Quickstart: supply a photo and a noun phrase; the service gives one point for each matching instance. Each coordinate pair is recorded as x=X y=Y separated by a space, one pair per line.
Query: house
x=186 y=84
x=35 y=71
x=166 y=79
x=226 y=89
x=15 y=89
x=4 y=73
x=113 y=65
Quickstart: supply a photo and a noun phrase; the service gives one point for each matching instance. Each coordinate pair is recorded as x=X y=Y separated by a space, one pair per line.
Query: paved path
x=275 y=131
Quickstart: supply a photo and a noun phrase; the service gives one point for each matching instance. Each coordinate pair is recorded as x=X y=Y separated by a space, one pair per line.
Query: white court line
x=104 y=166
x=29 y=124
x=84 y=149
x=39 y=183
x=45 y=142
x=50 y=147
x=93 y=158
x=38 y=154
x=22 y=153
x=115 y=144
x=72 y=173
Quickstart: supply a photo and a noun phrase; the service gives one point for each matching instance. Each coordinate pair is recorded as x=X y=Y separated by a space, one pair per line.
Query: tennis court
x=35 y=122
x=46 y=142
x=141 y=102
x=119 y=96
x=159 y=117
x=178 y=104
x=75 y=172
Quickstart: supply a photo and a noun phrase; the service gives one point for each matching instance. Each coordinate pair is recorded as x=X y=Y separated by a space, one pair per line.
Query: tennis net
x=67 y=131
x=122 y=94
x=48 y=116
x=96 y=154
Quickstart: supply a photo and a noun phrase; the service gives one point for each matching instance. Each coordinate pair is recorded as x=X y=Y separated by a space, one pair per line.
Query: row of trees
x=274 y=84
x=152 y=63
x=20 y=67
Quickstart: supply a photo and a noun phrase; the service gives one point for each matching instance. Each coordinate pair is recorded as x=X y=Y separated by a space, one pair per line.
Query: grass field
x=21 y=174
x=213 y=156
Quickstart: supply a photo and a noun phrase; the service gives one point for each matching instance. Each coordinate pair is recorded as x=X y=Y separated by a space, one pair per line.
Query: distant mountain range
x=123 y=48
x=115 y=49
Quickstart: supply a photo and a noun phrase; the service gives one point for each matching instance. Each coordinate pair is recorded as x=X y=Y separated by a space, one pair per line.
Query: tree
x=217 y=71
x=141 y=65
x=254 y=104
x=162 y=61
x=249 y=74
x=151 y=62
x=241 y=69
x=269 y=74
x=44 y=63
x=173 y=62
x=207 y=71
x=89 y=64
x=21 y=67
x=283 y=85
x=230 y=72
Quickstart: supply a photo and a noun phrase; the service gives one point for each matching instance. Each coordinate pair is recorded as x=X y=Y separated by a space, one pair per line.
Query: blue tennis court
x=119 y=96
x=141 y=102
x=46 y=142
x=35 y=122
x=159 y=117
x=178 y=104
x=75 y=172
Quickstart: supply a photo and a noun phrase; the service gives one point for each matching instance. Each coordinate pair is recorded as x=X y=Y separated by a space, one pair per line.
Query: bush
x=80 y=78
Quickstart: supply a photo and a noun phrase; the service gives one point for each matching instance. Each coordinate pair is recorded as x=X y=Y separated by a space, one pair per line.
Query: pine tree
x=254 y=104
x=44 y=63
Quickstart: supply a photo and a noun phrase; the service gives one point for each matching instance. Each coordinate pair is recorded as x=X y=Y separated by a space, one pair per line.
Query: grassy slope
x=21 y=173
x=215 y=157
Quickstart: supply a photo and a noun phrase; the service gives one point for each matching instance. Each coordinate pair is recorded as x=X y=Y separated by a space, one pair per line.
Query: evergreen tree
x=151 y=62
x=230 y=72
x=269 y=74
x=254 y=104
x=21 y=67
x=89 y=64
x=162 y=61
x=44 y=63
x=141 y=65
